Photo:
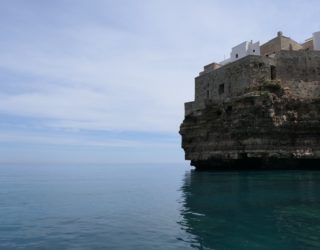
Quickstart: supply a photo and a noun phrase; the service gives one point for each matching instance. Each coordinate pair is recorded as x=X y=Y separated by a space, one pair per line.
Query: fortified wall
x=260 y=108
x=296 y=71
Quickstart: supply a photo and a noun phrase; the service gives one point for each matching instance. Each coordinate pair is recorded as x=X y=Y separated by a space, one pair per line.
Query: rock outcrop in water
x=256 y=112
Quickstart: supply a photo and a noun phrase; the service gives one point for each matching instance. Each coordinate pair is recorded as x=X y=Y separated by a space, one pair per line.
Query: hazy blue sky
x=102 y=81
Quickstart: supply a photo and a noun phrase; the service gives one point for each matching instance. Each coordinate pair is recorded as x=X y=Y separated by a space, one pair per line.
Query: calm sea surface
x=157 y=207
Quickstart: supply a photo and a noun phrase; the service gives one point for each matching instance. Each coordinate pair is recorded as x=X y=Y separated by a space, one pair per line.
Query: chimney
x=280 y=33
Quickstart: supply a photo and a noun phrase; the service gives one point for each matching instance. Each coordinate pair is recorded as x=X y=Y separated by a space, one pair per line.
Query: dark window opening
x=219 y=112
x=229 y=110
x=208 y=94
x=267 y=55
x=237 y=55
x=260 y=65
x=253 y=50
x=221 y=89
x=273 y=72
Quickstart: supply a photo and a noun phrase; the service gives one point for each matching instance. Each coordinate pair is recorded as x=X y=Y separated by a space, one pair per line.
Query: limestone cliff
x=274 y=122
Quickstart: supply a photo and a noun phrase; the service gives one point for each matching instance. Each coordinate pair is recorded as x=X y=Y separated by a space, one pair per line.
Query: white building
x=316 y=40
x=243 y=49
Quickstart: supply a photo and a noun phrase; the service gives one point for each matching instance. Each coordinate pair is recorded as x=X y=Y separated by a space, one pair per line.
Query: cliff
x=268 y=115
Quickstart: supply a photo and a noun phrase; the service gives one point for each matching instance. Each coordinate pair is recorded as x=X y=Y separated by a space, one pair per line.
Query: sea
x=157 y=206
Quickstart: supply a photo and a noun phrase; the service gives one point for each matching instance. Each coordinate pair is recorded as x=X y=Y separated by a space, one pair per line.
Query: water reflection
x=252 y=210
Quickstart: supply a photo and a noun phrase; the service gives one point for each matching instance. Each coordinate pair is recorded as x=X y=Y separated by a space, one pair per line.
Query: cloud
x=135 y=91
x=127 y=65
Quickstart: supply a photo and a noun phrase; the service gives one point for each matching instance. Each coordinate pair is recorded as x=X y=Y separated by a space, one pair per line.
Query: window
x=237 y=55
x=208 y=94
x=253 y=50
x=273 y=73
x=229 y=110
x=221 y=89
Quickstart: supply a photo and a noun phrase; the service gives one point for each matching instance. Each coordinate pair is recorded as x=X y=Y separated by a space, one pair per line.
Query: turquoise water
x=157 y=207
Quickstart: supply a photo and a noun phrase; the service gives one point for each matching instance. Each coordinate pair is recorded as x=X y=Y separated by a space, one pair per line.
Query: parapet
x=210 y=67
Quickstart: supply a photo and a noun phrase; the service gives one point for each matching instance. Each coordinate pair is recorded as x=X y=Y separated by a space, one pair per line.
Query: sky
x=104 y=81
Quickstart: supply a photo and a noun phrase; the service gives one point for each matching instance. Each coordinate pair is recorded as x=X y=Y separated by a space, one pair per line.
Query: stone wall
x=270 y=47
x=298 y=65
x=300 y=72
x=191 y=107
x=308 y=45
x=256 y=111
x=288 y=44
x=232 y=79
x=279 y=43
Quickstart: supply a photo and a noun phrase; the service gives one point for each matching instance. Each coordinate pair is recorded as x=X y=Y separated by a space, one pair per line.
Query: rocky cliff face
x=267 y=127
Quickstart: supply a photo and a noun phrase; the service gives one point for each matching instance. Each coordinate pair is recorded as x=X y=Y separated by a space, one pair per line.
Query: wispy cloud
x=116 y=66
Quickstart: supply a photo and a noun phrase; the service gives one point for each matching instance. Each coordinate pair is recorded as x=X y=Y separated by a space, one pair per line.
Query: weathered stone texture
x=263 y=117
x=296 y=70
x=300 y=72
x=279 y=43
x=234 y=77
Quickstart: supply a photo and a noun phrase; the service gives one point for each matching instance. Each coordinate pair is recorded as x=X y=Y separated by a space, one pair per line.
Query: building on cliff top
x=268 y=49
x=281 y=58
x=260 y=106
x=243 y=49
